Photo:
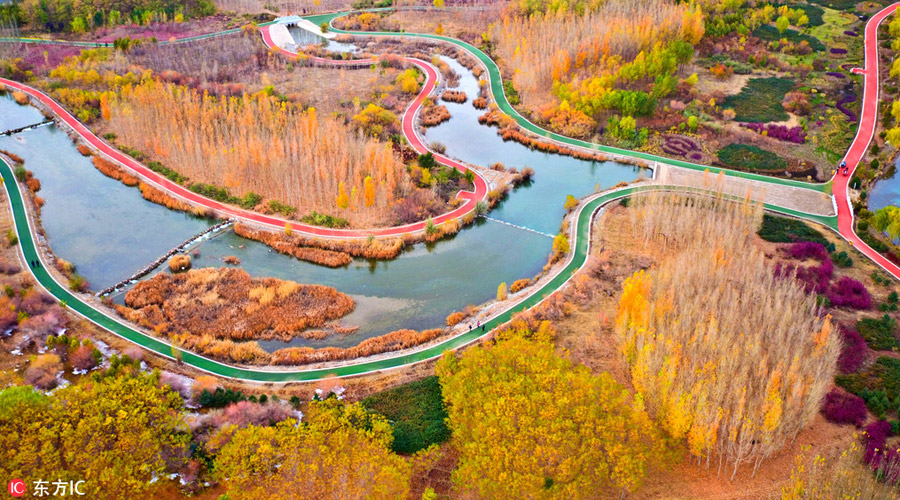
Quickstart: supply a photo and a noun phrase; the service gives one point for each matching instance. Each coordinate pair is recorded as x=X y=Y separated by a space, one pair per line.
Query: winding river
x=92 y=221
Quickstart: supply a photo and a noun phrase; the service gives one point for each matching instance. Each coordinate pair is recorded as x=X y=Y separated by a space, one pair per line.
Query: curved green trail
x=576 y=259
x=496 y=83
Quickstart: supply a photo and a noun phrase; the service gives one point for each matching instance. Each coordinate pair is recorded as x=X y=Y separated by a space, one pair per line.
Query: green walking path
x=576 y=259
x=501 y=100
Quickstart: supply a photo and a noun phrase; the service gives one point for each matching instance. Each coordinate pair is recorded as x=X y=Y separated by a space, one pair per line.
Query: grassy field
x=416 y=411
x=783 y=230
x=770 y=33
x=760 y=100
x=750 y=157
x=813 y=12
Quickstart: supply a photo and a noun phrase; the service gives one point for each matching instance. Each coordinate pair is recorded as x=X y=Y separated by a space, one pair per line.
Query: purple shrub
x=853 y=352
x=851 y=33
x=696 y=156
x=814 y=278
x=886 y=462
x=836 y=74
x=876 y=436
x=679 y=146
x=9 y=268
x=795 y=135
x=846 y=98
x=843 y=408
x=838 y=51
x=808 y=250
x=848 y=292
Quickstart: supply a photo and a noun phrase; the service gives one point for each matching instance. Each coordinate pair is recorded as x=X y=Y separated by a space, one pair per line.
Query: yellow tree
x=530 y=424
x=115 y=433
x=336 y=452
x=342 y=200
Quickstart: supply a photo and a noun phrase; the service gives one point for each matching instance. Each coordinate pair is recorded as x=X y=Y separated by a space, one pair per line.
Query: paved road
x=576 y=258
x=470 y=198
x=867 y=122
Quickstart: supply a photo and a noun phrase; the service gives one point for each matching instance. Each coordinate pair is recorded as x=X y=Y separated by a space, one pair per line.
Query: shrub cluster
x=843 y=408
x=750 y=157
x=324 y=252
x=795 y=135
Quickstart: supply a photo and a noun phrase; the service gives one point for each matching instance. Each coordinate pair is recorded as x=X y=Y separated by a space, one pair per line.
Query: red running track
x=470 y=198
x=864 y=133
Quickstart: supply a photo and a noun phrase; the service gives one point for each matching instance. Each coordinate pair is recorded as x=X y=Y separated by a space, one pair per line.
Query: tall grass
x=728 y=357
x=259 y=144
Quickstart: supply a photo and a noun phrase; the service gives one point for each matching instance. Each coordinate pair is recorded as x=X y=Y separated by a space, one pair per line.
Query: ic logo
x=16 y=487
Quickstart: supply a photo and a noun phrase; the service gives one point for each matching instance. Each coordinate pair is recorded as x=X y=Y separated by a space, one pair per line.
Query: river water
x=109 y=231
x=886 y=191
x=102 y=226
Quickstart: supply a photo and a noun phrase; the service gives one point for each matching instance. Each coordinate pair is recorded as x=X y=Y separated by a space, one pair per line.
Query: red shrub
x=844 y=408
x=82 y=358
x=42 y=371
x=244 y=413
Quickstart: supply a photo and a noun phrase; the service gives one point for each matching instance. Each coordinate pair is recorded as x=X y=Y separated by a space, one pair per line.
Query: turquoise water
x=102 y=226
x=109 y=231
x=14 y=115
x=304 y=38
x=886 y=191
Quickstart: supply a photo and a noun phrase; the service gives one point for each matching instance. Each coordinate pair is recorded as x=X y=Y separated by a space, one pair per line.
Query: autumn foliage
x=434 y=115
x=527 y=420
x=160 y=197
x=228 y=304
x=582 y=54
x=456 y=96
x=115 y=433
x=260 y=144
x=400 y=339
x=110 y=169
x=336 y=451
x=729 y=357
x=332 y=252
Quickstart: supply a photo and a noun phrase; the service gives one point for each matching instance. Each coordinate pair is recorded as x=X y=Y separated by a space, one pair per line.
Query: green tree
x=887 y=220
x=782 y=24
x=79 y=25
x=530 y=424
x=692 y=123
x=337 y=449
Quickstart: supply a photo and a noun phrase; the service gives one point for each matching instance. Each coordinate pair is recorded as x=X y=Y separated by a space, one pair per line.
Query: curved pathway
x=496 y=85
x=868 y=120
x=576 y=258
x=838 y=184
x=471 y=198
